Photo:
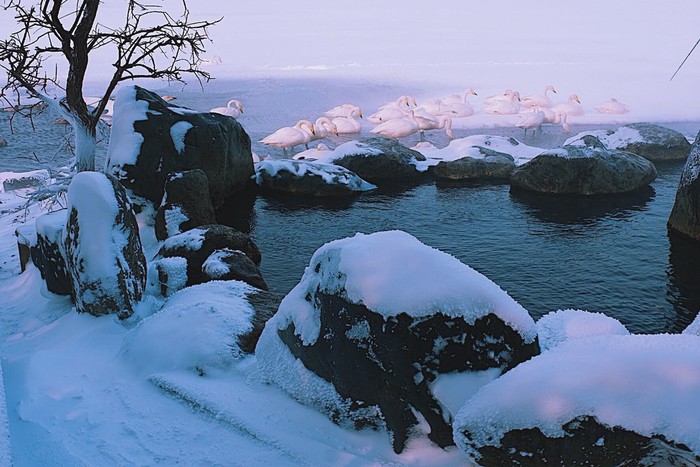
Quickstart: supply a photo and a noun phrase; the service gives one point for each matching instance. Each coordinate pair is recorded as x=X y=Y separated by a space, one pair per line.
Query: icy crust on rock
x=648 y=384
x=470 y=147
x=91 y=195
x=393 y=272
x=215 y=265
x=175 y=271
x=193 y=239
x=330 y=173
x=620 y=138
x=691 y=171
x=177 y=134
x=196 y=329
x=124 y=141
x=561 y=326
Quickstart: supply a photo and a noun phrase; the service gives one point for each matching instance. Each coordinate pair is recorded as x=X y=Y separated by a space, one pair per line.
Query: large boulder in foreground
x=609 y=400
x=377 y=159
x=193 y=250
x=685 y=216
x=212 y=325
x=104 y=256
x=302 y=177
x=48 y=256
x=387 y=328
x=186 y=204
x=495 y=166
x=587 y=168
x=653 y=142
x=151 y=138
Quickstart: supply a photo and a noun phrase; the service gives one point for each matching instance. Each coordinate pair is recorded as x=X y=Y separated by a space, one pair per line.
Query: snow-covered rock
x=197 y=245
x=26 y=244
x=18 y=180
x=226 y=264
x=151 y=138
x=185 y=205
x=584 y=169
x=496 y=166
x=200 y=328
x=376 y=319
x=102 y=247
x=685 y=216
x=308 y=178
x=562 y=326
x=49 y=256
x=650 y=141
x=611 y=400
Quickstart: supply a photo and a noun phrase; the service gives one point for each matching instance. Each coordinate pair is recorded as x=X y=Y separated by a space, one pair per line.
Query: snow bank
x=5 y=451
x=562 y=326
x=331 y=174
x=124 y=141
x=197 y=329
x=649 y=384
x=393 y=272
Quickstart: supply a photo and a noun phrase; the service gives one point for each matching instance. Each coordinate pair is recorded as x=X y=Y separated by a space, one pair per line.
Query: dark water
x=608 y=255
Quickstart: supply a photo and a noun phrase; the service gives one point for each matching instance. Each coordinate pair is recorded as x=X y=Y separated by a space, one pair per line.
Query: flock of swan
x=404 y=117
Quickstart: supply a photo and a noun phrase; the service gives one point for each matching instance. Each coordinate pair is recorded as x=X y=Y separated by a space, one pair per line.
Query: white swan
x=507 y=96
x=613 y=106
x=342 y=110
x=436 y=123
x=398 y=128
x=234 y=109
x=433 y=106
x=322 y=128
x=393 y=110
x=288 y=136
x=508 y=106
x=348 y=125
x=458 y=98
x=532 y=121
x=314 y=153
x=556 y=118
x=538 y=100
x=571 y=107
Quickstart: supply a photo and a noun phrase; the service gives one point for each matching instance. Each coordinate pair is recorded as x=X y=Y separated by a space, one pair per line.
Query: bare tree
x=151 y=42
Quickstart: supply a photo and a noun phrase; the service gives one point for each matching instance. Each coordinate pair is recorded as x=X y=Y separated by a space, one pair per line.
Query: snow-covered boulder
x=49 y=257
x=197 y=245
x=650 y=141
x=226 y=264
x=377 y=321
x=102 y=247
x=151 y=138
x=308 y=178
x=496 y=166
x=185 y=205
x=561 y=326
x=685 y=216
x=376 y=159
x=18 y=180
x=26 y=245
x=586 y=169
x=201 y=328
x=608 y=400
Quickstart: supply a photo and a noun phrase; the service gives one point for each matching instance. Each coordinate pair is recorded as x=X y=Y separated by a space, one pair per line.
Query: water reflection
x=582 y=210
x=683 y=288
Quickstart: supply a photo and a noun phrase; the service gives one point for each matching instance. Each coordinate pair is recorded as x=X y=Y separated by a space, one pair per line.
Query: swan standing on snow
x=348 y=125
x=613 y=106
x=532 y=121
x=508 y=106
x=234 y=109
x=538 y=100
x=572 y=107
x=288 y=136
x=398 y=128
x=342 y=110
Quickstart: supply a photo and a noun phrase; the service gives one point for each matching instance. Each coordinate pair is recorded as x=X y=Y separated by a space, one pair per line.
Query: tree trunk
x=85 y=144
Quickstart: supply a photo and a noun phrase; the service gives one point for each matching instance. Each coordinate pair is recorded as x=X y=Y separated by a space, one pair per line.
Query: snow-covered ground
x=73 y=393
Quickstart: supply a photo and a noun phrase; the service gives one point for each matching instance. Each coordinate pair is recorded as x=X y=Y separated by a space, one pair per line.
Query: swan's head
x=574 y=97
x=472 y=92
x=508 y=92
x=516 y=95
x=550 y=88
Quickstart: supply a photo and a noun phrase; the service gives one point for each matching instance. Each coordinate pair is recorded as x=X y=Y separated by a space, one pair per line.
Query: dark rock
x=309 y=178
x=658 y=143
x=227 y=264
x=494 y=166
x=49 y=255
x=3 y=142
x=581 y=445
x=685 y=216
x=198 y=244
x=265 y=305
x=216 y=144
x=102 y=247
x=26 y=242
x=393 y=161
x=587 y=169
x=186 y=204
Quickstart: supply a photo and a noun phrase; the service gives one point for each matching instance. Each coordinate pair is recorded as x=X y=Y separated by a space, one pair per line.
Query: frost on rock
x=637 y=392
x=561 y=326
x=197 y=329
x=191 y=240
x=167 y=275
x=177 y=133
x=373 y=322
x=104 y=256
x=304 y=177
